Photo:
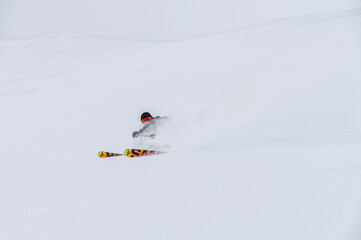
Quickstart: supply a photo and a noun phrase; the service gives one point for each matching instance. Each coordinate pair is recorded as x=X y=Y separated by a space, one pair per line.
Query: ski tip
x=102 y=154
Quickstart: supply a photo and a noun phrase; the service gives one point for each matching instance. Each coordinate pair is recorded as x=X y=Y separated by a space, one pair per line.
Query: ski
x=102 y=154
x=129 y=152
x=140 y=152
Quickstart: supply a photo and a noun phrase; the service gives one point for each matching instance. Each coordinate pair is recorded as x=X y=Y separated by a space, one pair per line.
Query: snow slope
x=268 y=140
x=155 y=18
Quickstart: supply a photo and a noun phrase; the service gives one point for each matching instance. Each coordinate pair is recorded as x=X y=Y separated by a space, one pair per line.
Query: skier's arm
x=139 y=133
x=145 y=128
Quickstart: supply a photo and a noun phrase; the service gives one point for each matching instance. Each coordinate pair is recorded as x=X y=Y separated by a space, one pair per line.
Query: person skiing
x=151 y=125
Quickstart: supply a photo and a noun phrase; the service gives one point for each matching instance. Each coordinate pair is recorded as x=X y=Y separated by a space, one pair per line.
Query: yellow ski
x=129 y=153
x=139 y=152
x=102 y=154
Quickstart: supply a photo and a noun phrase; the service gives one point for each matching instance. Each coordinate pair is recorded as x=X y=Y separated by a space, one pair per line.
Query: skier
x=151 y=125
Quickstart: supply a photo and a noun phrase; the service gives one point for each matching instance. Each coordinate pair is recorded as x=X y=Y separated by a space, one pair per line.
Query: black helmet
x=145 y=117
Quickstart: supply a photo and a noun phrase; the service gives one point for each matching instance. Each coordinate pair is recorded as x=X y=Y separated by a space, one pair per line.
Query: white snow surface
x=266 y=110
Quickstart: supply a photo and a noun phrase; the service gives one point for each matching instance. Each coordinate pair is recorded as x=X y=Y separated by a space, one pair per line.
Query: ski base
x=129 y=152
x=139 y=152
x=102 y=154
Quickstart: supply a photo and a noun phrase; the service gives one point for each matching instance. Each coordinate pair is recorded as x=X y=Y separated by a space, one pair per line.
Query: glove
x=135 y=134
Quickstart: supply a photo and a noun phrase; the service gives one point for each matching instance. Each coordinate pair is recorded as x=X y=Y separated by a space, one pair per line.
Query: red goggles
x=146 y=119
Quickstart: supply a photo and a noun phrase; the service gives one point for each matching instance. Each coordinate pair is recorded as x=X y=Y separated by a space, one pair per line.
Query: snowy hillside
x=266 y=137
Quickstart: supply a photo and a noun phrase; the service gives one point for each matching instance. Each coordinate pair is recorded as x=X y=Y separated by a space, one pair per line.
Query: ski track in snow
x=296 y=20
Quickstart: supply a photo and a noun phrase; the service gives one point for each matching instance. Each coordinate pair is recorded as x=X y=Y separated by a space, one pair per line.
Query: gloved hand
x=135 y=134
